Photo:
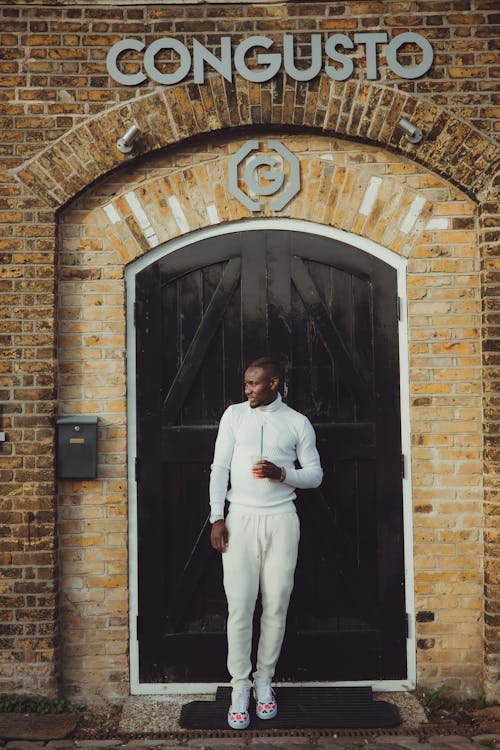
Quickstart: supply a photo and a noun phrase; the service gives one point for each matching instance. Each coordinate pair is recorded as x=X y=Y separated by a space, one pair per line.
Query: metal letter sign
x=275 y=175
x=269 y=63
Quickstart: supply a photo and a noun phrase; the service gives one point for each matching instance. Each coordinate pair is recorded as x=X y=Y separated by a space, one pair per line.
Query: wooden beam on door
x=201 y=341
x=335 y=345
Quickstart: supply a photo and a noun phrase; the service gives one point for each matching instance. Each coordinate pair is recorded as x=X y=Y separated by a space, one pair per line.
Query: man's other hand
x=219 y=536
x=266 y=470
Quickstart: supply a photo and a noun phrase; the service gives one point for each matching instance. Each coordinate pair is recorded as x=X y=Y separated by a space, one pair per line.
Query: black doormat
x=300 y=707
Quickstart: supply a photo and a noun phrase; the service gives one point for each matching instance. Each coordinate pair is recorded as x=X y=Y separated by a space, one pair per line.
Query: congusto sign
x=269 y=63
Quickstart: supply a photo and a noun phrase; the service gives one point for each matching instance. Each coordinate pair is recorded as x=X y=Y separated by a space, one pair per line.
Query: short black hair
x=268 y=363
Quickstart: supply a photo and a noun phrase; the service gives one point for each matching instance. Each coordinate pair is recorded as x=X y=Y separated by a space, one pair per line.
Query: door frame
x=293 y=225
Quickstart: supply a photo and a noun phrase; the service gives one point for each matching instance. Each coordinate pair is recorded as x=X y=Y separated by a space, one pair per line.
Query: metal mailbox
x=77 y=447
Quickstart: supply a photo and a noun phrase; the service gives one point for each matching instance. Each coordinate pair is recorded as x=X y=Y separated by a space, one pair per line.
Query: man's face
x=260 y=386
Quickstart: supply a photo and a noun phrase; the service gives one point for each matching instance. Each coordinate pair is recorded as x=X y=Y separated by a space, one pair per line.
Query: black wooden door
x=329 y=311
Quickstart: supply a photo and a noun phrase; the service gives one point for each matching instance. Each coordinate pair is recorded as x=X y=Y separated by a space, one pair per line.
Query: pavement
x=147 y=723
x=306 y=742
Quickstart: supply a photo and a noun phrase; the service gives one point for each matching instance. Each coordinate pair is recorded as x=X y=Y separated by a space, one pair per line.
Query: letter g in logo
x=275 y=175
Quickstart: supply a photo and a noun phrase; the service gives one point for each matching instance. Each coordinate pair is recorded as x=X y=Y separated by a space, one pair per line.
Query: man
x=257 y=445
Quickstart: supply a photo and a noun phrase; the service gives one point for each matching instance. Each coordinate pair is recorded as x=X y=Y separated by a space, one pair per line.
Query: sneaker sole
x=239 y=725
x=266 y=716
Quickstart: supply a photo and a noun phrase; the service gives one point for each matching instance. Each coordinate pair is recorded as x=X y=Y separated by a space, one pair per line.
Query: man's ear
x=274 y=382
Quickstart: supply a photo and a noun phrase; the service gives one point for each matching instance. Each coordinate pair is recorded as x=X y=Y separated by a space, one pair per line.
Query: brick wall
x=54 y=71
x=490 y=265
x=445 y=375
x=54 y=85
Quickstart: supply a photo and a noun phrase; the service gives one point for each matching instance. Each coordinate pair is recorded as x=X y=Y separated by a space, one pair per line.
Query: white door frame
x=294 y=225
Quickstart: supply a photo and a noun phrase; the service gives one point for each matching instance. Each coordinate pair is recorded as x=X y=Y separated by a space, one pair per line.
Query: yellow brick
x=106 y=554
x=458 y=615
x=109 y=581
x=117 y=568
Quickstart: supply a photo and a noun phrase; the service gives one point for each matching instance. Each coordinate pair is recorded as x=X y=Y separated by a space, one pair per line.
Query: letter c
x=126 y=79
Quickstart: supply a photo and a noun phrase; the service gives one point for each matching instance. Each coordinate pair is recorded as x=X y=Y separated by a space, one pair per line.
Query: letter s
x=126 y=79
x=339 y=74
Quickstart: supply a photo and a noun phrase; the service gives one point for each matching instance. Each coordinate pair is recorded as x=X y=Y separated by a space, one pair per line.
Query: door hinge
x=403 y=470
x=398 y=307
x=137 y=466
x=138 y=628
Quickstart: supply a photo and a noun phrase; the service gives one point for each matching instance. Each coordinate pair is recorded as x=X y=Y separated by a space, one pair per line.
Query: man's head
x=262 y=378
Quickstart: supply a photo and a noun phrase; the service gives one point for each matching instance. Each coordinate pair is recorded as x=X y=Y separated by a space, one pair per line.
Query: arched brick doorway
x=109 y=233
x=65 y=168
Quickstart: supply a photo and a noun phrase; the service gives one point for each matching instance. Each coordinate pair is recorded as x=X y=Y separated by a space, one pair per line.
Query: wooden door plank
x=189 y=579
x=341 y=312
x=255 y=341
x=279 y=301
x=330 y=535
x=337 y=441
x=333 y=341
x=190 y=313
x=151 y=507
x=201 y=341
x=200 y=254
x=188 y=444
x=212 y=388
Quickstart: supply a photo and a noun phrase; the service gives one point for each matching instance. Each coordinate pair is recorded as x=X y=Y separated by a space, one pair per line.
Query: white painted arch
x=294 y=225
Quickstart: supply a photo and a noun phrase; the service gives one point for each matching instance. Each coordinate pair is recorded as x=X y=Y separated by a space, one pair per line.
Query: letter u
x=302 y=74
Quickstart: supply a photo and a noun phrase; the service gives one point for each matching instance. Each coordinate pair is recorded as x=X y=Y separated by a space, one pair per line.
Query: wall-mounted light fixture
x=412 y=132
x=125 y=144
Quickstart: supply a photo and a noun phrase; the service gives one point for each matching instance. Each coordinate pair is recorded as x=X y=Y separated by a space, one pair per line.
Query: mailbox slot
x=77 y=447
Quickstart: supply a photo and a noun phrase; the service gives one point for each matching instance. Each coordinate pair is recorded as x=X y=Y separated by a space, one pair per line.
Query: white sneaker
x=265 y=699
x=238 y=716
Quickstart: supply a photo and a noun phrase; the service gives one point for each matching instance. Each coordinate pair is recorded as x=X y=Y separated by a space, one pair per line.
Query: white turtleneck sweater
x=284 y=435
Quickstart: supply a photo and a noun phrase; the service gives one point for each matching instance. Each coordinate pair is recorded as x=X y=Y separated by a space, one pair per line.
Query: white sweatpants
x=262 y=552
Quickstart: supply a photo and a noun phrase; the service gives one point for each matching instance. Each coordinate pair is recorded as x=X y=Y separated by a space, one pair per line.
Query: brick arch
x=350 y=194
x=361 y=110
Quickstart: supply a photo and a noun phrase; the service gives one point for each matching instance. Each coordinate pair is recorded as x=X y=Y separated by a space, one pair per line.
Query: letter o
x=126 y=79
x=409 y=37
x=167 y=78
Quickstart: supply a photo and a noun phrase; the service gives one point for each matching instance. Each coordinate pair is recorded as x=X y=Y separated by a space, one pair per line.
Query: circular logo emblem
x=264 y=175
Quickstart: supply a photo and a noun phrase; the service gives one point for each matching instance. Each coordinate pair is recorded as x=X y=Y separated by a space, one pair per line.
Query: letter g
x=126 y=79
